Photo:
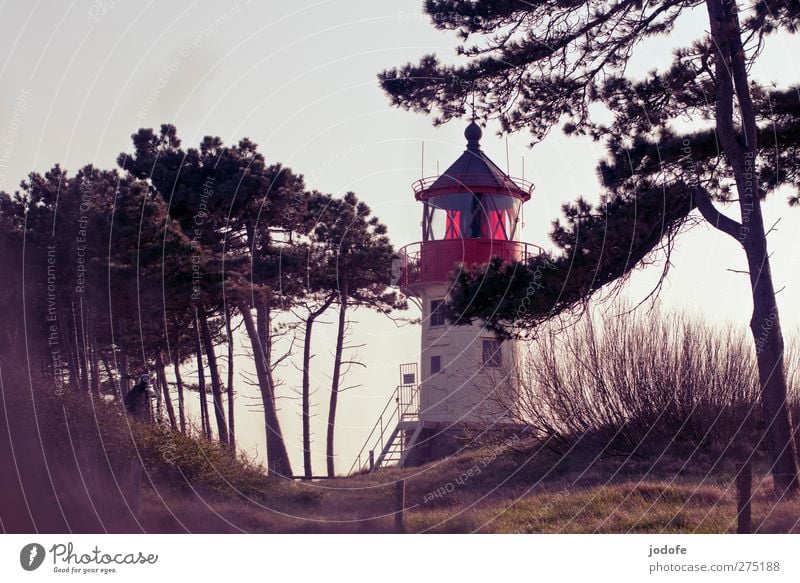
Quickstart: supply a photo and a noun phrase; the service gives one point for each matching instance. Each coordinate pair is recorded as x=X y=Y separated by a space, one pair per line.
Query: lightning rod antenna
x=508 y=163
x=473 y=105
x=422 y=162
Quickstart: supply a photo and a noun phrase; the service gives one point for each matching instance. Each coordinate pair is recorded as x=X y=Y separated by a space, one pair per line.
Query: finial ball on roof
x=473 y=133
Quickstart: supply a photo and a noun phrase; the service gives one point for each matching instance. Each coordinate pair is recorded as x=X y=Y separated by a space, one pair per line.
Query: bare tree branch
x=710 y=213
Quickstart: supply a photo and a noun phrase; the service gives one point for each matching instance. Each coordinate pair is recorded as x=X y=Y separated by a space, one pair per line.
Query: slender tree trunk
x=201 y=379
x=337 y=371
x=277 y=457
x=179 y=383
x=162 y=377
x=124 y=363
x=85 y=344
x=216 y=385
x=94 y=362
x=741 y=150
x=80 y=346
x=264 y=331
x=278 y=462
x=204 y=428
x=70 y=349
x=306 y=396
x=124 y=377
x=231 y=416
x=159 y=396
x=308 y=470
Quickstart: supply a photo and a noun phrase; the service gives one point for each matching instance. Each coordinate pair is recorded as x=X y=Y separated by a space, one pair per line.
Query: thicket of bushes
x=67 y=461
x=643 y=383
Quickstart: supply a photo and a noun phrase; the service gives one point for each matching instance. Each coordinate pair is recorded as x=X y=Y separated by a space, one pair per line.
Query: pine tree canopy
x=536 y=66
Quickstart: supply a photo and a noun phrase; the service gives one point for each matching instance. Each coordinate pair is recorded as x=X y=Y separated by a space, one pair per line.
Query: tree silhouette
x=240 y=214
x=93 y=245
x=318 y=294
x=358 y=253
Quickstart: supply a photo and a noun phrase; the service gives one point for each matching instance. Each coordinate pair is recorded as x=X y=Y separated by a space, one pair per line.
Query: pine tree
x=358 y=253
x=240 y=214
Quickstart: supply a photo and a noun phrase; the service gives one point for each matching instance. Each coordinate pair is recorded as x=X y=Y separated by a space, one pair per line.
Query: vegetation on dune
x=648 y=383
x=579 y=479
x=534 y=491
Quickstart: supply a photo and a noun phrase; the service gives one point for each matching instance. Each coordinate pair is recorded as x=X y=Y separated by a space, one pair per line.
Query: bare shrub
x=639 y=382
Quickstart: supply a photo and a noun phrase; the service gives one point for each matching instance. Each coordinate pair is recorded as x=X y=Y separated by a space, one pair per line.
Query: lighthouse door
x=408 y=392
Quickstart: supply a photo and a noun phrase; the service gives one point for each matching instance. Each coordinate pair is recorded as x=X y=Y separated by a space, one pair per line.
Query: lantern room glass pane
x=466 y=215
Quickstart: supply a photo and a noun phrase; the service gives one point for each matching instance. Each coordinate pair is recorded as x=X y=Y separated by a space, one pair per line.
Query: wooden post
x=371 y=460
x=400 y=506
x=744 y=488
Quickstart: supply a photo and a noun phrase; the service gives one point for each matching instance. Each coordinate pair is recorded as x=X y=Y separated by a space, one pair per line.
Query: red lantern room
x=470 y=214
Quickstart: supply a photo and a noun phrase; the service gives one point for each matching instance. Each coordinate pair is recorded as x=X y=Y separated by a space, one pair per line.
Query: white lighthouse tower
x=470 y=214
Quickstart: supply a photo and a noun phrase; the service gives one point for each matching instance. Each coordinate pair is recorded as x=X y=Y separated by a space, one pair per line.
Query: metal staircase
x=397 y=429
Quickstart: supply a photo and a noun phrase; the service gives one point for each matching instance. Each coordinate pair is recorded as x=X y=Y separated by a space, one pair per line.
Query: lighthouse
x=470 y=215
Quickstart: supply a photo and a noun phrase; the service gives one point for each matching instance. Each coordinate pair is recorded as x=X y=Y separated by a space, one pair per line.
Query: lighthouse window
x=467 y=215
x=436 y=364
x=437 y=313
x=492 y=357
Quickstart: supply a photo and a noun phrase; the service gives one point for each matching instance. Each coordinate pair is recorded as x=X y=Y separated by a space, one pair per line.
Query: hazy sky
x=299 y=78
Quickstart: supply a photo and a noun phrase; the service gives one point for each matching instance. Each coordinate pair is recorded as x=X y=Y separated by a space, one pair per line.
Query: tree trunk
x=124 y=363
x=72 y=363
x=162 y=378
x=337 y=371
x=159 y=396
x=740 y=150
x=124 y=378
x=95 y=358
x=231 y=416
x=216 y=385
x=306 y=397
x=201 y=379
x=80 y=346
x=306 y=405
x=179 y=383
x=766 y=329
x=277 y=457
x=204 y=428
x=264 y=331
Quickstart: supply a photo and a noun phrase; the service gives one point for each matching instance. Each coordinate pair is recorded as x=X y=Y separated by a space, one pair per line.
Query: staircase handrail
x=399 y=413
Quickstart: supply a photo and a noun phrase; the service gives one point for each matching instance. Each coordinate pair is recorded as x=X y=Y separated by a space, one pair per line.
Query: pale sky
x=299 y=78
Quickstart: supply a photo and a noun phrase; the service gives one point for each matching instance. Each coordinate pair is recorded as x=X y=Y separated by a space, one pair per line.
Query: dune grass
x=79 y=470
x=528 y=490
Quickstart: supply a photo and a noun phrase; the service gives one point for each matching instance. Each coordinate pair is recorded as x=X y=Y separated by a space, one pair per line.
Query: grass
x=527 y=490
x=78 y=471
